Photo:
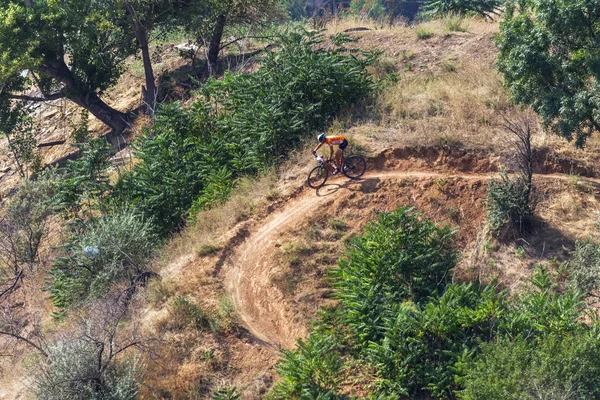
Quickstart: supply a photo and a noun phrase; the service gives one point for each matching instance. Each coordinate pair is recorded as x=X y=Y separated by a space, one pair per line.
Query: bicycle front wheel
x=318 y=176
x=354 y=166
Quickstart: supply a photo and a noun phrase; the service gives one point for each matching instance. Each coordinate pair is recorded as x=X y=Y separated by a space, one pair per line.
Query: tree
x=145 y=16
x=208 y=20
x=550 y=60
x=71 y=49
x=400 y=257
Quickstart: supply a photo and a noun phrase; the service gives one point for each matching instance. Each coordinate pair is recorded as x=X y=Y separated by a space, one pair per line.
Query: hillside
x=249 y=276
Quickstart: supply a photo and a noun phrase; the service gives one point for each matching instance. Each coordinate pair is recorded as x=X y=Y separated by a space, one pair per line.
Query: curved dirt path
x=260 y=304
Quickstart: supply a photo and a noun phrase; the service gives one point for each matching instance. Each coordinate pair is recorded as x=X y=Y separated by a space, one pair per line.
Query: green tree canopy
x=68 y=49
x=549 y=54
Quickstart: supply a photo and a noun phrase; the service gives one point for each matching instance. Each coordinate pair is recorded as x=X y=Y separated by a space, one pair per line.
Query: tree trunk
x=58 y=70
x=214 y=47
x=150 y=91
x=115 y=119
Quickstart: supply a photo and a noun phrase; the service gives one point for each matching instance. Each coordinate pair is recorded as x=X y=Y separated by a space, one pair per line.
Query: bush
x=314 y=371
x=72 y=371
x=400 y=257
x=509 y=204
x=584 y=266
x=485 y=8
x=556 y=366
x=114 y=249
x=423 y=347
x=176 y=154
x=423 y=33
x=191 y=314
x=81 y=191
x=407 y=334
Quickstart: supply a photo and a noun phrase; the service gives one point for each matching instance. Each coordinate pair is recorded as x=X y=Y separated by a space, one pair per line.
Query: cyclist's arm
x=317 y=148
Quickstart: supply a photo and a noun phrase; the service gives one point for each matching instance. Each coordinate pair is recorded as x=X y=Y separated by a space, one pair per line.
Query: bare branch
x=49 y=97
x=24 y=340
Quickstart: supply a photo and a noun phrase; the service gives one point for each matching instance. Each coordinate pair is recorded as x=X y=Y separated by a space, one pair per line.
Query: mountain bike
x=353 y=166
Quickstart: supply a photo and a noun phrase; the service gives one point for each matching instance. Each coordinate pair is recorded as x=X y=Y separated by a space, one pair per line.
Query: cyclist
x=339 y=141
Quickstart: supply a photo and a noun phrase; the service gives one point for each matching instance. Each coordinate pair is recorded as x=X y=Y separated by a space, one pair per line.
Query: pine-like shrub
x=485 y=8
x=315 y=370
x=400 y=257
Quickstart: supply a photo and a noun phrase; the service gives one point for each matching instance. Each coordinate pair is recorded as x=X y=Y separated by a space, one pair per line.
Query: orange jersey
x=334 y=140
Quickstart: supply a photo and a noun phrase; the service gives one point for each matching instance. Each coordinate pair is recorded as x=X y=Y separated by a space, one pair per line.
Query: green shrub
x=400 y=257
x=424 y=346
x=114 y=249
x=85 y=181
x=509 y=204
x=584 y=266
x=554 y=367
x=23 y=224
x=485 y=8
x=176 y=154
x=217 y=189
x=423 y=33
x=314 y=371
x=407 y=334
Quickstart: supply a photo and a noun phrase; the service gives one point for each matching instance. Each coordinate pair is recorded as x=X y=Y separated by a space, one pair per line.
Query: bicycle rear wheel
x=317 y=176
x=354 y=166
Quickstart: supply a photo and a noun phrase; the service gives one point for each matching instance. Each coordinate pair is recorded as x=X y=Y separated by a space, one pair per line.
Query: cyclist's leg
x=339 y=156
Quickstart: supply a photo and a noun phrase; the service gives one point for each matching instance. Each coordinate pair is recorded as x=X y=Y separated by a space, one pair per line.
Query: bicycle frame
x=327 y=163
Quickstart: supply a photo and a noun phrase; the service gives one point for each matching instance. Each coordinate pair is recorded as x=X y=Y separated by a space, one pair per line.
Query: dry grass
x=208 y=233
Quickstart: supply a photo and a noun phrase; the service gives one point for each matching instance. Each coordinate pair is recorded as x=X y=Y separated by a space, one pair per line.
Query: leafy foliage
x=400 y=257
x=433 y=344
x=549 y=61
x=113 y=249
x=509 y=204
x=176 y=154
x=20 y=131
x=313 y=371
x=424 y=347
x=24 y=221
x=85 y=180
x=485 y=8
x=555 y=366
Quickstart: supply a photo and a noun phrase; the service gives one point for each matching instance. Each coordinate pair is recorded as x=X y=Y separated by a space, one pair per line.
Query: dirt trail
x=261 y=304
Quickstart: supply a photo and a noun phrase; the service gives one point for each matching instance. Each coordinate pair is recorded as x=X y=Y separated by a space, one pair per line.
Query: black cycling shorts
x=344 y=144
